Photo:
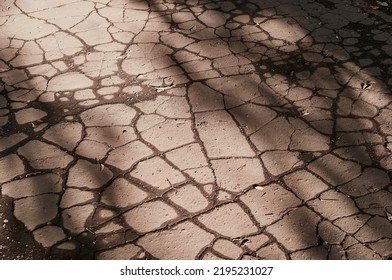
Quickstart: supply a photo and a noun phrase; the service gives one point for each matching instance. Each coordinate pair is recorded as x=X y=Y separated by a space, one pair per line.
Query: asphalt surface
x=195 y=130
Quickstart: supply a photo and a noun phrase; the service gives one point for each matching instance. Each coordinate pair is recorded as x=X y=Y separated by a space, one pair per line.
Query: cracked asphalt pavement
x=195 y=129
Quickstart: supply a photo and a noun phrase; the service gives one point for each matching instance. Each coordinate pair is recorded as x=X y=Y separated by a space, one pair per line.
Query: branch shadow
x=303 y=80
x=328 y=83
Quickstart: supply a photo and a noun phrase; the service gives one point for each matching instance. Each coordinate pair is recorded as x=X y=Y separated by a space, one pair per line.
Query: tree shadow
x=327 y=82
x=264 y=65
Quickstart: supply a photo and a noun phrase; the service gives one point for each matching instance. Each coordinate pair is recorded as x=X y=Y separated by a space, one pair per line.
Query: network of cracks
x=135 y=129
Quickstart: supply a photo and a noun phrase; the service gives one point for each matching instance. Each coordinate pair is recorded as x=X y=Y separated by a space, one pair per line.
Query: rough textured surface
x=135 y=129
x=297 y=230
x=183 y=241
x=219 y=219
x=150 y=216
